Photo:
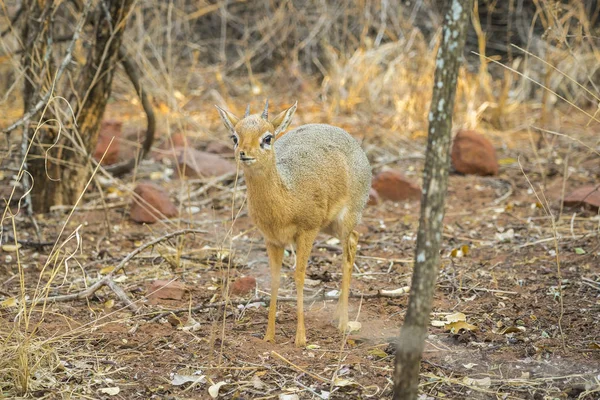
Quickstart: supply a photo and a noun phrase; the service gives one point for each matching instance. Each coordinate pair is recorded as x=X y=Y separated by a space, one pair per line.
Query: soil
x=503 y=259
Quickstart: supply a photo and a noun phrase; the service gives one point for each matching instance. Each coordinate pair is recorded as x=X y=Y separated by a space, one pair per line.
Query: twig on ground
x=266 y=299
x=315 y=376
x=108 y=279
x=30 y=243
x=591 y=283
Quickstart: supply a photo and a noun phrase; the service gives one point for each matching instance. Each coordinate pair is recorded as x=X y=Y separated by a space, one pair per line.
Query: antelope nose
x=242 y=154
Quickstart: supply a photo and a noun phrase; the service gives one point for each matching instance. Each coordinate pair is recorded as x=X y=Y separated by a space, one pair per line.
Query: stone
x=588 y=195
x=201 y=164
x=109 y=129
x=219 y=148
x=473 y=154
x=178 y=139
x=243 y=286
x=373 y=197
x=165 y=290
x=152 y=205
x=392 y=185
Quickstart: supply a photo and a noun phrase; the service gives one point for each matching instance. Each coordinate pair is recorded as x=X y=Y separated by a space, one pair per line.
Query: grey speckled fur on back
x=315 y=149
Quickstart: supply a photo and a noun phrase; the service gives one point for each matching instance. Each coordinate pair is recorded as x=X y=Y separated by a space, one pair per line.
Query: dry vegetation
x=521 y=267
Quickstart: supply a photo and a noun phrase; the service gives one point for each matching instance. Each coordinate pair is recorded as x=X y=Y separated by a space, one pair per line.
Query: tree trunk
x=59 y=160
x=435 y=182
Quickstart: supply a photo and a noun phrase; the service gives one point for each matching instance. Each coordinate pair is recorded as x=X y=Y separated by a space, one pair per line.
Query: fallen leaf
x=469 y=365
x=120 y=279
x=107 y=270
x=395 y=292
x=333 y=241
x=214 y=389
x=11 y=248
x=288 y=397
x=484 y=382
x=108 y=304
x=179 y=380
x=579 y=250
x=456 y=317
x=111 y=391
x=10 y=302
x=257 y=383
x=465 y=249
x=377 y=352
x=507 y=161
x=341 y=382
x=455 y=327
x=512 y=329
x=190 y=326
x=156 y=175
x=313 y=346
x=506 y=236
x=353 y=326
x=438 y=323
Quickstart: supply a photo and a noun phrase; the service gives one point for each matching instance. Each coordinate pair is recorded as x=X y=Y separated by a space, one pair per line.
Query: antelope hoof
x=269 y=337
x=300 y=341
x=343 y=325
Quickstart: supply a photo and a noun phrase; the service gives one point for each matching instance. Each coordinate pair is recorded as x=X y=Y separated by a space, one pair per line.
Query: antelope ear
x=282 y=121
x=229 y=120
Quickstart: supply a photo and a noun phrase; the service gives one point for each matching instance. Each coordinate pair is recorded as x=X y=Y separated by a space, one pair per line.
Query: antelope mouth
x=248 y=160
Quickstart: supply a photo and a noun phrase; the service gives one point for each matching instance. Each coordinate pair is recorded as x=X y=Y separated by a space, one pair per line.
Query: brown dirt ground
x=523 y=347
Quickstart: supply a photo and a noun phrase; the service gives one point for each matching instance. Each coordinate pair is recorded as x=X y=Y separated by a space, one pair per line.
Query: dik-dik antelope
x=315 y=178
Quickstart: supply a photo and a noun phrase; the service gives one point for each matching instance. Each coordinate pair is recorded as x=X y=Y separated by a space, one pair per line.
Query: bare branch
x=134 y=76
x=65 y=62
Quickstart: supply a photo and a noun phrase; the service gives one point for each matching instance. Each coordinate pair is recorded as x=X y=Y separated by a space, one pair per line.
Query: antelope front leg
x=347 y=264
x=275 y=258
x=304 y=244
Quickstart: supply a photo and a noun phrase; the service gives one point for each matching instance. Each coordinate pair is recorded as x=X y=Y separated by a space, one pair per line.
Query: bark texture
x=435 y=182
x=59 y=157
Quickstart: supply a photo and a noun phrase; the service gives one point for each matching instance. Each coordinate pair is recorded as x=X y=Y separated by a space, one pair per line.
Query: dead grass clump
x=27 y=362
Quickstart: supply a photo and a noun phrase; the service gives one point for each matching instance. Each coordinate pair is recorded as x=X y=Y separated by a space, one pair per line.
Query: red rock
x=473 y=154
x=109 y=129
x=165 y=290
x=373 y=197
x=243 y=286
x=151 y=204
x=586 y=195
x=178 y=139
x=392 y=185
x=219 y=148
x=200 y=164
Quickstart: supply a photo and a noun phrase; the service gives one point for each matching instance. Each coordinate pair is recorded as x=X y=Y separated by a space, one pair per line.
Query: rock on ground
x=109 y=129
x=392 y=185
x=243 y=286
x=165 y=290
x=152 y=204
x=588 y=195
x=373 y=197
x=200 y=164
x=473 y=154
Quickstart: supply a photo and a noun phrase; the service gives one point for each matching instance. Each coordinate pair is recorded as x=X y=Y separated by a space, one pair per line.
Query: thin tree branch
x=108 y=279
x=65 y=62
x=132 y=72
x=13 y=21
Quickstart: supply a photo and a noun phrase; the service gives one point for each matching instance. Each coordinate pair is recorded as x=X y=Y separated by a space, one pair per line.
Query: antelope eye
x=235 y=140
x=268 y=139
